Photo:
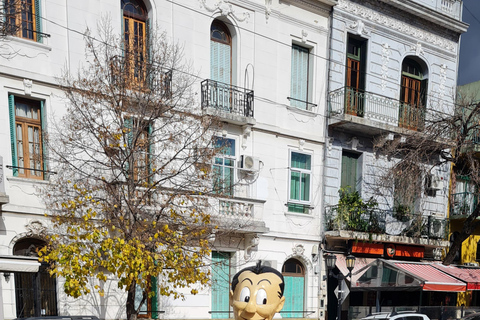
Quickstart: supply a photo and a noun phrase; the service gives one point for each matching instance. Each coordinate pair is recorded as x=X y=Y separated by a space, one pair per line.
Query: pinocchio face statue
x=257 y=293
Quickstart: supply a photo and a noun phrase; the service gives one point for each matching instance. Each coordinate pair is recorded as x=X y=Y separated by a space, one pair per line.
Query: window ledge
x=29 y=43
x=298 y=214
x=28 y=180
x=302 y=111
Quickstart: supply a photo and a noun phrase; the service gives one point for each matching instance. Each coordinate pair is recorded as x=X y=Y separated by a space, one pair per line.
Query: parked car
x=472 y=316
x=401 y=315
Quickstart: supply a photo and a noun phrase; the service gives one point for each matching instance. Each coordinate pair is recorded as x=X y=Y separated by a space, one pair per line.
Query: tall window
x=220 y=53
x=140 y=144
x=350 y=170
x=300 y=173
x=23 y=18
x=35 y=293
x=413 y=95
x=224 y=166
x=355 y=82
x=299 y=84
x=135 y=39
x=26 y=134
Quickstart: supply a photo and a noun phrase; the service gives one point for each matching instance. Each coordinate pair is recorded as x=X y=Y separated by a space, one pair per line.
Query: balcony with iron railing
x=463 y=204
x=385 y=223
x=372 y=113
x=231 y=103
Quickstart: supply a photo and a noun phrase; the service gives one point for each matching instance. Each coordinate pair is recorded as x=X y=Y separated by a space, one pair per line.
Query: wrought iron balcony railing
x=376 y=107
x=463 y=203
x=227 y=98
x=377 y=221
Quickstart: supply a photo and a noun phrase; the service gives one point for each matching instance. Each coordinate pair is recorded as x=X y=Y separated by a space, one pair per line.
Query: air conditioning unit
x=435 y=182
x=250 y=163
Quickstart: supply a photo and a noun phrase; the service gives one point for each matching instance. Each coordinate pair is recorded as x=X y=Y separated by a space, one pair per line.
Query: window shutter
x=128 y=124
x=150 y=152
x=299 y=76
x=349 y=171
x=153 y=283
x=38 y=21
x=44 y=145
x=220 y=62
x=214 y=47
x=13 y=135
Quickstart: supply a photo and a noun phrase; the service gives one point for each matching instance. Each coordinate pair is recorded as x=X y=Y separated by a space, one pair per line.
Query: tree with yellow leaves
x=133 y=155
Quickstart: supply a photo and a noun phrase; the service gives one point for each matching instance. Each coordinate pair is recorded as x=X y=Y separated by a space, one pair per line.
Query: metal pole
x=340 y=292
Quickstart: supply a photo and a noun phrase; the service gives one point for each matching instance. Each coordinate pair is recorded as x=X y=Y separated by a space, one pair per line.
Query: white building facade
x=393 y=66
x=261 y=66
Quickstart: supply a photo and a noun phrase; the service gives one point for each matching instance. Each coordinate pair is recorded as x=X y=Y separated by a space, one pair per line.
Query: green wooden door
x=294 y=289
x=349 y=170
x=220 y=284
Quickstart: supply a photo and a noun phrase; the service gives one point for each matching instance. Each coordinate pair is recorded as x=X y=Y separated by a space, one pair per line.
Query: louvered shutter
x=299 y=77
x=44 y=145
x=13 y=135
x=38 y=21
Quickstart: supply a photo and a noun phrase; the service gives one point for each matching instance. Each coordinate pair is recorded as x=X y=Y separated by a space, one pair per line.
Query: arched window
x=220 y=52
x=413 y=94
x=35 y=293
x=294 y=277
x=135 y=26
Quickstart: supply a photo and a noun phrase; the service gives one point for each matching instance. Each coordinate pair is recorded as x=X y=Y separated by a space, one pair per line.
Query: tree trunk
x=131 y=312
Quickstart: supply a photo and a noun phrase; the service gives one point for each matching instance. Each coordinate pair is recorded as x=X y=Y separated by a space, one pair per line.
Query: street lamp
x=331 y=260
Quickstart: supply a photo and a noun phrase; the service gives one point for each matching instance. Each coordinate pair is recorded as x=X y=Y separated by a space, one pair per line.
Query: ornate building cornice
x=395 y=24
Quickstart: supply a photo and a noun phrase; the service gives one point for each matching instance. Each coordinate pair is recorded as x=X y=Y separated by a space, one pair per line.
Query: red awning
x=432 y=278
x=469 y=275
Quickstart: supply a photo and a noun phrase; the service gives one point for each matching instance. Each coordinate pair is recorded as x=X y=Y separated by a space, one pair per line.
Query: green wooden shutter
x=13 y=132
x=349 y=170
x=153 y=281
x=38 y=21
x=220 y=284
x=294 y=296
x=43 y=117
x=299 y=77
x=150 y=152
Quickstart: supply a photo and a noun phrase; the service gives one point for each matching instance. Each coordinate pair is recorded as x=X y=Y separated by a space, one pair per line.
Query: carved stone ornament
x=268 y=9
x=386 y=52
x=395 y=24
x=443 y=79
x=304 y=36
x=418 y=49
x=225 y=9
x=35 y=228
x=298 y=249
x=358 y=27
x=27 y=86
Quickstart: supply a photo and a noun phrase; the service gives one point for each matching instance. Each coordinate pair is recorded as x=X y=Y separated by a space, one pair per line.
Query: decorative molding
x=418 y=49
x=359 y=28
x=35 y=228
x=304 y=36
x=355 y=143
x=301 y=143
x=395 y=24
x=225 y=9
x=311 y=5
x=27 y=86
x=268 y=9
x=443 y=80
x=330 y=144
x=298 y=249
x=386 y=52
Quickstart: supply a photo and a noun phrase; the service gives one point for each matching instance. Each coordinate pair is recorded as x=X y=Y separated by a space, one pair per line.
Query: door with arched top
x=294 y=277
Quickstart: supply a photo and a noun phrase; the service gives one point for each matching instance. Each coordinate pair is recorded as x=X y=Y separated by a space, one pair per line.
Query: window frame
x=302 y=103
x=305 y=203
x=135 y=31
x=232 y=168
x=25 y=123
x=17 y=26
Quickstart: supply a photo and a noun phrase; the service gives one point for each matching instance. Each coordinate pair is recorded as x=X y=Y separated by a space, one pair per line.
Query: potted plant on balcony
x=355 y=214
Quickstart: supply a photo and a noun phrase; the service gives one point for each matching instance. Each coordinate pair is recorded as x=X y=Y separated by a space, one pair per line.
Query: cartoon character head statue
x=257 y=293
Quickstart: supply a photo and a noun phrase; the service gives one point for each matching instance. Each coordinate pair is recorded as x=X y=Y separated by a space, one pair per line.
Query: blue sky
x=469 y=64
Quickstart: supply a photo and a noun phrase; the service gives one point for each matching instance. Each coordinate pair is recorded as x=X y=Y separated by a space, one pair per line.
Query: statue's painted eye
x=261 y=297
x=245 y=294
